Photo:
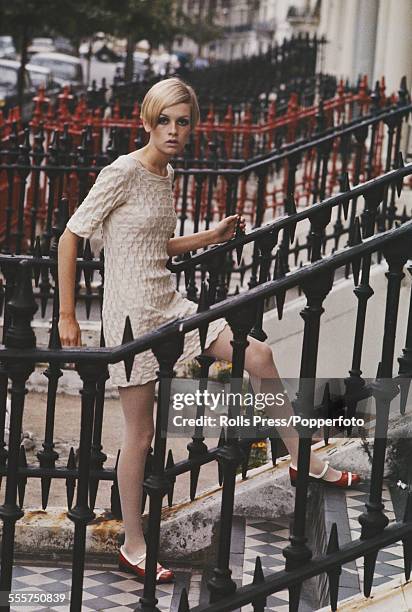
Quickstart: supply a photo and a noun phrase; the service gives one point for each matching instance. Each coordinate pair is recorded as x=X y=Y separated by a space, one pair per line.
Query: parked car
x=63 y=45
x=65 y=69
x=7 y=48
x=8 y=88
x=43 y=76
x=41 y=45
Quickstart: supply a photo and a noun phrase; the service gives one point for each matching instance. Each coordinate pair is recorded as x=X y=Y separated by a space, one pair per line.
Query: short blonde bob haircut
x=168 y=93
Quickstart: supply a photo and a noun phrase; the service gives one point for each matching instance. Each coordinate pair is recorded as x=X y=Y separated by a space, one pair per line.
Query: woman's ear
x=147 y=127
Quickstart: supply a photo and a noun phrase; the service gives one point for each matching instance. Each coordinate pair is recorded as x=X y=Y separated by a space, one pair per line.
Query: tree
x=201 y=27
x=152 y=20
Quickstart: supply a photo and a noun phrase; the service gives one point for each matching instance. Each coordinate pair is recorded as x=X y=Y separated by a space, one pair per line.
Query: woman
x=132 y=200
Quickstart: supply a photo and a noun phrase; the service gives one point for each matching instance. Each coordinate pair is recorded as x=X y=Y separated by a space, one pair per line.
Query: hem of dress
x=131 y=383
x=215 y=334
x=212 y=335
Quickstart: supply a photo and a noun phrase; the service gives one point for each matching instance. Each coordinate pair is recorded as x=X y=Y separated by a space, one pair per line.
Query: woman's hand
x=226 y=229
x=69 y=331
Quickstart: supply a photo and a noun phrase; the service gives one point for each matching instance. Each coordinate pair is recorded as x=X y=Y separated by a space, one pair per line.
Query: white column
x=365 y=39
x=394 y=50
x=338 y=25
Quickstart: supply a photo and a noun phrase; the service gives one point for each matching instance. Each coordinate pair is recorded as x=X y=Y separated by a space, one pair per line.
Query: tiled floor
x=102 y=590
x=267 y=539
x=390 y=560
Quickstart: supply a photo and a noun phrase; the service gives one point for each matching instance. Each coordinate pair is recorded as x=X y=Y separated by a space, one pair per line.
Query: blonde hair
x=168 y=93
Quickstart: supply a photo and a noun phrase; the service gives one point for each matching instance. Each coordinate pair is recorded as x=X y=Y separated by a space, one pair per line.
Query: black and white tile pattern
x=389 y=562
x=267 y=539
x=102 y=590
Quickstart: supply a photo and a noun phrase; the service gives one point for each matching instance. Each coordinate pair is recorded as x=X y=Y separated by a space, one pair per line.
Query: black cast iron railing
x=242 y=80
x=19 y=354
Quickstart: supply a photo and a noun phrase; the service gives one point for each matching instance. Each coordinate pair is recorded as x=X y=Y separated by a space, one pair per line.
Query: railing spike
x=38 y=255
x=115 y=506
x=333 y=547
x=274 y=449
x=296 y=251
x=184 y=602
x=170 y=464
x=279 y=272
x=239 y=248
x=246 y=448
x=187 y=271
x=399 y=164
x=344 y=187
x=369 y=569
x=203 y=305
x=128 y=337
x=354 y=239
x=70 y=480
x=259 y=603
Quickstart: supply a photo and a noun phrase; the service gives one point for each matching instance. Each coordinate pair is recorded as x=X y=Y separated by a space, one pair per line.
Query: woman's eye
x=183 y=122
x=163 y=120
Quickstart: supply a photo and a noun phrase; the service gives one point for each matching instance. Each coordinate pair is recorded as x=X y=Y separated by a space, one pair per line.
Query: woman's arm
x=225 y=230
x=69 y=329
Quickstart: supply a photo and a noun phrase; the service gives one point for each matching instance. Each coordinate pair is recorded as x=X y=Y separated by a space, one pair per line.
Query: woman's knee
x=259 y=360
x=139 y=441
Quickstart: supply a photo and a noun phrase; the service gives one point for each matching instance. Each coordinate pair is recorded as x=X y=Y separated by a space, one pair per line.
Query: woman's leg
x=137 y=404
x=260 y=365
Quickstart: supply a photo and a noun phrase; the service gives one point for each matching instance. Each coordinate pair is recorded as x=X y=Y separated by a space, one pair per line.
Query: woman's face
x=172 y=131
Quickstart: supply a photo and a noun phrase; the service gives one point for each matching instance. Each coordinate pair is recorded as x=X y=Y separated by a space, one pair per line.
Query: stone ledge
x=393 y=595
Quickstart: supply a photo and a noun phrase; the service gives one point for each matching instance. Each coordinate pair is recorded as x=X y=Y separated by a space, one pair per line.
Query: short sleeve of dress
x=107 y=193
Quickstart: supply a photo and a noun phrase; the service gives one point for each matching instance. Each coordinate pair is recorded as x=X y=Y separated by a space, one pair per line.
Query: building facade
x=247 y=26
x=372 y=37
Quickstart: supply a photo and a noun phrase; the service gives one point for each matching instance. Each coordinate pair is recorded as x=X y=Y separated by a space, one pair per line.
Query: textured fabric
x=134 y=208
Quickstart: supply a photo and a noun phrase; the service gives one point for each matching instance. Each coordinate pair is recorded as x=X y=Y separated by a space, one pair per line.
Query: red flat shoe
x=163 y=575
x=347 y=479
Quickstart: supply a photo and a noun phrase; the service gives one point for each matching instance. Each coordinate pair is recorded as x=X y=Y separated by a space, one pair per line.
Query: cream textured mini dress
x=133 y=209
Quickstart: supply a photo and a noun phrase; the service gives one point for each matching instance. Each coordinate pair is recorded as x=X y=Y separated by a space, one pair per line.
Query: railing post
x=230 y=456
x=373 y=520
x=18 y=336
x=354 y=383
x=265 y=245
x=157 y=485
x=81 y=514
x=298 y=552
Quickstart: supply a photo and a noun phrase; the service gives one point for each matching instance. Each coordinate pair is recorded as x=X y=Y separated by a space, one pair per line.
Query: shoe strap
x=323 y=472
x=349 y=478
x=161 y=571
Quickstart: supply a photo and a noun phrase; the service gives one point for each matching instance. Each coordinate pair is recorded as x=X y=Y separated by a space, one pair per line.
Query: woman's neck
x=152 y=160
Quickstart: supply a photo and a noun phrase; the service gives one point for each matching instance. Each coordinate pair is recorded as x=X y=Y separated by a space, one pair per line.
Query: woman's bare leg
x=137 y=404
x=260 y=365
